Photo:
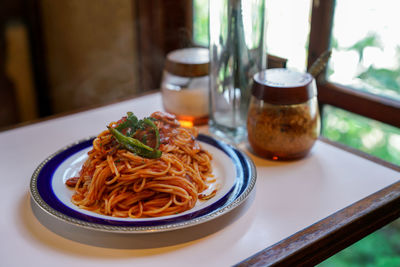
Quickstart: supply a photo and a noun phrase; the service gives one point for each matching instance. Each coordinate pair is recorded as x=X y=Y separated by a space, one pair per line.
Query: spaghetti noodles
x=118 y=182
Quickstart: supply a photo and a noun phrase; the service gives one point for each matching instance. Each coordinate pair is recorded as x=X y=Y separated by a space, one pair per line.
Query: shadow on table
x=132 y=240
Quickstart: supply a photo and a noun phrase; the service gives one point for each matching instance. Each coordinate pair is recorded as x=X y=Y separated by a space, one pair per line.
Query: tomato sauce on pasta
x=117 y=182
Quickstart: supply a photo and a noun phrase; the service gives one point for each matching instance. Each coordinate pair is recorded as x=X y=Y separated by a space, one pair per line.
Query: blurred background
x=59 y=56
x=63 y=56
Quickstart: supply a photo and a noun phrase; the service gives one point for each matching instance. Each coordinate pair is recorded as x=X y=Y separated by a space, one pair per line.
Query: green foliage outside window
x=380 y=249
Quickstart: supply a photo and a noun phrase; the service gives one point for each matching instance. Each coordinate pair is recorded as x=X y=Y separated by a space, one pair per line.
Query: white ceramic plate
x=234 y=171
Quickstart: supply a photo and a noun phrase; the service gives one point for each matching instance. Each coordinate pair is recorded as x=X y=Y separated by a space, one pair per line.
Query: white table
x=288 y=197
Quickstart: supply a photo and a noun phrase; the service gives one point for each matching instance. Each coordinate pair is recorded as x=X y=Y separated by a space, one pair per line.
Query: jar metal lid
x=188 y=62
x=283 y=86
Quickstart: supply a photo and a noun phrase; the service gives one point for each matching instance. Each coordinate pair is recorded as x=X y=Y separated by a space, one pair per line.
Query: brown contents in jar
x=283 y=131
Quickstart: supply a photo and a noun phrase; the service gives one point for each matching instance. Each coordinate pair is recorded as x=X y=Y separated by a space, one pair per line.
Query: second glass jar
x=283 y=119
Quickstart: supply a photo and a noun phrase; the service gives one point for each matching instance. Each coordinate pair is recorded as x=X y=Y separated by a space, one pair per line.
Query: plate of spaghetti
x=143 y=175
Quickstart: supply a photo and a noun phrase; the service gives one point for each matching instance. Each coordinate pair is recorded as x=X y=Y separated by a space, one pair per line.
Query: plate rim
x=168 y=226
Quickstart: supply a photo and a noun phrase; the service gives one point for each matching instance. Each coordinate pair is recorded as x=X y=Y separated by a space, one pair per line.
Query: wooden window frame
x=375 y=107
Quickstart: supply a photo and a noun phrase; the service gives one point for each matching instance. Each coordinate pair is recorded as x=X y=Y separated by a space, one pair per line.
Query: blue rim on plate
x=43 y=194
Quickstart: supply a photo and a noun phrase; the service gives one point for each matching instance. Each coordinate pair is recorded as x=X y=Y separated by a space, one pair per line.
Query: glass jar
x=283 y=120
x=185 y=84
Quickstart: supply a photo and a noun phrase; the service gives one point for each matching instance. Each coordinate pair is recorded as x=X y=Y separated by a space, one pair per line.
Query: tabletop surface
x=288 y=197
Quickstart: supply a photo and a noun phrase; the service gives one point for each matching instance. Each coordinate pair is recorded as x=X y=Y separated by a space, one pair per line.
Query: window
x=337 y=89
x=366 y=52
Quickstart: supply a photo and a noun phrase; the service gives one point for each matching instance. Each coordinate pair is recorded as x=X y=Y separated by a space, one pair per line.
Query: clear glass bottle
x=283 y=120
x=237 y=52
x=185 y=84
